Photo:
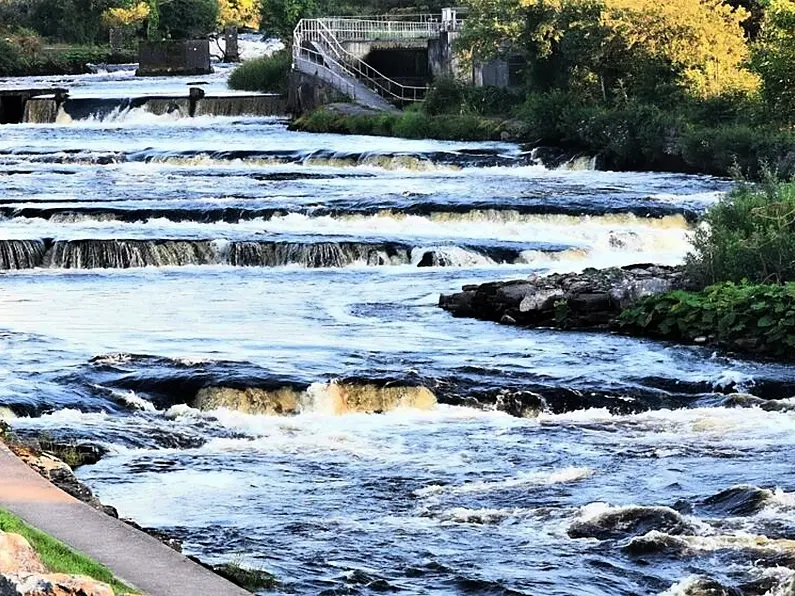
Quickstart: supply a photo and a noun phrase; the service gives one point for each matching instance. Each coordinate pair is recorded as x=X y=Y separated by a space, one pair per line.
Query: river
x=148 y=256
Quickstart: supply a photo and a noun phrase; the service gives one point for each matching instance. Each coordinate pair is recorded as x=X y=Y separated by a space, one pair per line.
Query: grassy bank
x=59 y=558
x=698 y=139
x=410 y=125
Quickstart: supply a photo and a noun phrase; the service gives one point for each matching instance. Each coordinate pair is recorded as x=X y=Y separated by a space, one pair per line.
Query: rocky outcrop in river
x=591 y=299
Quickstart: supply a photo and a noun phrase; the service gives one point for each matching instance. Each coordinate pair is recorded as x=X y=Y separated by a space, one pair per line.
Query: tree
x=188 y=19
x=279 y=17
x=239 y=13
x=774 y=59
x=617 y=49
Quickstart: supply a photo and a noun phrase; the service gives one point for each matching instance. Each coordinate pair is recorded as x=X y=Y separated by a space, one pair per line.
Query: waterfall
x=242 y=105
x=123 y=254
x=21 y=254
x=315 y=255
x=167 y=105
x=41 y=110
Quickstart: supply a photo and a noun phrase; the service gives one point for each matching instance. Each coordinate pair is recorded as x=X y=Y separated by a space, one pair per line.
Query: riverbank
x=42 y=490
x=633 y=138
x=642 y=301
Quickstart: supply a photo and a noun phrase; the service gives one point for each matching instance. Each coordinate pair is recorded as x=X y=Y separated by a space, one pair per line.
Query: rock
x=623 y=522
x=17 y=556
x=591 y=299
x=507 y=320
x=52 y=584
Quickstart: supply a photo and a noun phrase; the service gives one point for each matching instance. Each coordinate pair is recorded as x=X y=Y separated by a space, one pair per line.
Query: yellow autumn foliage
x=702 y=38
x=240 y=13
x=126 y=17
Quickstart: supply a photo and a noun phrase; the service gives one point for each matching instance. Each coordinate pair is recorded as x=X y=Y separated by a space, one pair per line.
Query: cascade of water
x=41 y=110
x=21 y=254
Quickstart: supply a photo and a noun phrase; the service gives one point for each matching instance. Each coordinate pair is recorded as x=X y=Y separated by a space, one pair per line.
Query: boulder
x=17 y=555
x=52 y=584
x=591 y=299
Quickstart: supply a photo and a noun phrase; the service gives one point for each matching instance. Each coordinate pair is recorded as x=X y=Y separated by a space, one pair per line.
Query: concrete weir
x=34 y=107
x=14 y=102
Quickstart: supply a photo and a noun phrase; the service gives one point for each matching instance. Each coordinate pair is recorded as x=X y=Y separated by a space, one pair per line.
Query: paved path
x=135 y=557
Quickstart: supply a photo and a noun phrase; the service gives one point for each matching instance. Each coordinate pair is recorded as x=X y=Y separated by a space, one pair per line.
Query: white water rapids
x=148 y=257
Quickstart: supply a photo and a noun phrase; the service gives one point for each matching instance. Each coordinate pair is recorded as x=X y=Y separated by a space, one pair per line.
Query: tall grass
x=268 y=73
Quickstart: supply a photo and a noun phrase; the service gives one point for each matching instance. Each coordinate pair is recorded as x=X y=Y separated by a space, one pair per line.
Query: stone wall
x=174 y=58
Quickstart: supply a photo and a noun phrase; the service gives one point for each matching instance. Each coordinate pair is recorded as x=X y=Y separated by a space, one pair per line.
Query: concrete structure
x=136 y=558
x=184 y=57
x=373 y=60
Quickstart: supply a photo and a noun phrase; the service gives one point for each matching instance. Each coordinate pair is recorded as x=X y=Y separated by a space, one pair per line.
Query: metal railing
x=381 y=30
x=341 y=62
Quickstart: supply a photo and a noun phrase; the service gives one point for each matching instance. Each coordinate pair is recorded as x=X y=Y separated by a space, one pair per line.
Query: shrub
x=268 y=73
x=758 y=318
x=444 y=97
x=11 y=59
x=749 y=234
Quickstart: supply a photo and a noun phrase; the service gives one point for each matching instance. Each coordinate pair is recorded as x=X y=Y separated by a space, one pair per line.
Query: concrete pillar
x=232 y=52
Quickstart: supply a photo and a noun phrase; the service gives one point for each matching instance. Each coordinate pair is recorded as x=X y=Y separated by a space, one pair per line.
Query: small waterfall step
x=60 y=108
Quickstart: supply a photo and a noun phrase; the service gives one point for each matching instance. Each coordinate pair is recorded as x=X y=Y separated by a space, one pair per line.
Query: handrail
x=317 y=31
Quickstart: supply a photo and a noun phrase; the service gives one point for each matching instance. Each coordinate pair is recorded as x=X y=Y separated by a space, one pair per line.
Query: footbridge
x=379 y=61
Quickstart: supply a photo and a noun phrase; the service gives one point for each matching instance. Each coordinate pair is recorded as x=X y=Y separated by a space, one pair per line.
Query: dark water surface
x=148 y=256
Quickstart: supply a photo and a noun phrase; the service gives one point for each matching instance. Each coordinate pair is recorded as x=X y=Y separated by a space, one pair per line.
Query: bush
x=749 y=235
x=11 y=59
x=444 y=97
x=758 y=318
x=268 y=73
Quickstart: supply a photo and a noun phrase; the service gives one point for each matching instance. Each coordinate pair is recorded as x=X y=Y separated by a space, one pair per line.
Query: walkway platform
x=135 y=557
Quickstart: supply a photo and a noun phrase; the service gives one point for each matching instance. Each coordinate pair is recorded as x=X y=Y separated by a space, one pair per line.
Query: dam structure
x=378 y=61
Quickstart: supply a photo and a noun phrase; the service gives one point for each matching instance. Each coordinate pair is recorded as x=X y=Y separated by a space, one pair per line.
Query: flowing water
x=147 y=257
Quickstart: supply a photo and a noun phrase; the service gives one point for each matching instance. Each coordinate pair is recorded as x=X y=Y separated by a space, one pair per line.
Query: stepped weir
x=50 y=106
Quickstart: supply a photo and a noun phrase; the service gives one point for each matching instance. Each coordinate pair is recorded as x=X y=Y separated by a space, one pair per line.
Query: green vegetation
x=263 y=74
x=58 y=557
x=745 y=250
x=746 y=317
x=188 y=19
x=409 y=124
x=749 y=235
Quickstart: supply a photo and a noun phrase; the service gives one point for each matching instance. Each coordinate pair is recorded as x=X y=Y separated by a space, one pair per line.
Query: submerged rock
x=702 y=586
x=623 y=522
x=738 y=500
x=330 y=398
x=593 y=298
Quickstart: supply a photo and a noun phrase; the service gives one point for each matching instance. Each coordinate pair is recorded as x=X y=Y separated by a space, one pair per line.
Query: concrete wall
x=442 y=60
x=307 y=92
x=494 y=73
x=188 y=57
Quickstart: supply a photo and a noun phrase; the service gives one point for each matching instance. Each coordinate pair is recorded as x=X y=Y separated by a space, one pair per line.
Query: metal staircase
x=318 y=49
